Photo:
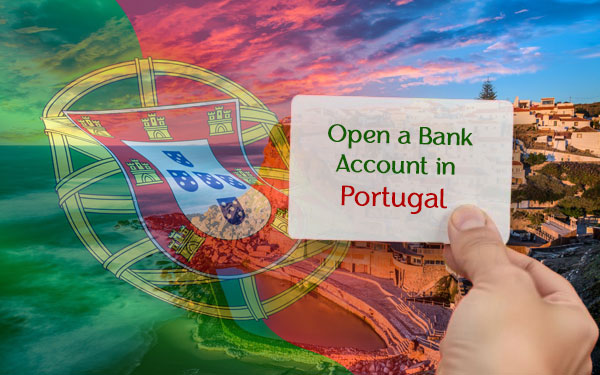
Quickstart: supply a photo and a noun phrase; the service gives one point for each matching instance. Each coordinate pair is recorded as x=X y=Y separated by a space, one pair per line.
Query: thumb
x=476 y=248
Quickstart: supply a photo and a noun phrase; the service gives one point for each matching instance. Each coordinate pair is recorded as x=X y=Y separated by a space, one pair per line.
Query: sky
x=384 y=48
x=44 y=45
x=278 y=49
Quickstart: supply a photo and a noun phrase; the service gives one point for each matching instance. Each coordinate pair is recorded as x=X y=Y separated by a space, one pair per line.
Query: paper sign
x=393 y=169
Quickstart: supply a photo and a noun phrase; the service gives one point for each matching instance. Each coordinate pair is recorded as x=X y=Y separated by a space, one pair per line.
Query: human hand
x=520 y=317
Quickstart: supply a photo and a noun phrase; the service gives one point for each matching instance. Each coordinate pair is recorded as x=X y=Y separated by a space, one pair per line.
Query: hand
x=519 y=318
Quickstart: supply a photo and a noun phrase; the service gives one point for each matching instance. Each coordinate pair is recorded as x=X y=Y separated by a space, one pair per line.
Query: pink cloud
x=488 y=19
x=278 y=49
x=501 y=46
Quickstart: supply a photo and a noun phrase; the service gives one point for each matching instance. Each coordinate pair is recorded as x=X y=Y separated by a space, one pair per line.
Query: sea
x=63 y=313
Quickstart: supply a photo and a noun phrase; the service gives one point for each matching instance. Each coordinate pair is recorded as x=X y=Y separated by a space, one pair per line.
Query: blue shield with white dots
x=178 y=158
x=232 y=210
x=209 y=180
x=232 y=181
x=184 y=180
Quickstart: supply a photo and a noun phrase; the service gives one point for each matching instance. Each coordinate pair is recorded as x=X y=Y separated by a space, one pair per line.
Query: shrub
x=578 y=173
x=541 y=188
x=535 y=158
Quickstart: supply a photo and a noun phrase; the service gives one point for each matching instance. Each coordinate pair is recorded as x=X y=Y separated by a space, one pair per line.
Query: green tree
x=487 y=91
x=582 y=110
x=540 y=188
x=573 y=211
x=535 y=158
x=579 y=206
x=593 y=193
x=536 y=219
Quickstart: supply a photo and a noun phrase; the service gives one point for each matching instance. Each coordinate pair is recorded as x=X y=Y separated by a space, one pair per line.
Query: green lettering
x=352 y=138
x=369 y=136
x=424 y=135
x=383 y=132
x=465 y=139
x=331 y=130
x=387 y=166
x=343 y=162
x=452 y=134
x=404 y=138
x=352 y=166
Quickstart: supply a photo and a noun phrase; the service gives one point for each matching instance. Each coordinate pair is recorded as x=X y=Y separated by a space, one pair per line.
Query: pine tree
x=487 y=91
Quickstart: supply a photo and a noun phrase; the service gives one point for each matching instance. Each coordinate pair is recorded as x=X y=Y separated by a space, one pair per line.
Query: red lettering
x=416 y=201
x=366 y=198
x=417 y=206
x=344 y=195
x=442 y=199
x=385 y=194
x=375 y=194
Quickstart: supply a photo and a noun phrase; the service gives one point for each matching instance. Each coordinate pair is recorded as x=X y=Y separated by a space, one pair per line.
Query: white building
x=586 y=139
x=523 y=116
x=545 y=113
x=560 y=122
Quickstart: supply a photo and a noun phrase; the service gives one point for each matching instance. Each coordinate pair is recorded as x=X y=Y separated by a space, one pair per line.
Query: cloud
x=112 y=42
x=361 y=28
x=488 y=19
x=34 y=29
x=501 y=46
x=530 y=50
x=278 y=49
x=43 y=52
x=446 y=70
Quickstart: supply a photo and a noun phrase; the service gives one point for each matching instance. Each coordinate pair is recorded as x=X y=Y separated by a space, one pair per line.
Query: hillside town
x=405 y=293
x=556 y=172
x=555 y=217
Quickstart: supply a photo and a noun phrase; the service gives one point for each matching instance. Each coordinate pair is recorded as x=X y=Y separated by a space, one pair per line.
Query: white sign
x=393 y=169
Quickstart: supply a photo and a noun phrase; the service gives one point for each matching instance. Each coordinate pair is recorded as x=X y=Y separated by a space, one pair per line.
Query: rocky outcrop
x=580 y=264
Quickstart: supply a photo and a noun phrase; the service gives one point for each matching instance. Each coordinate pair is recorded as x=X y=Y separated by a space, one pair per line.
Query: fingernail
x=468 y=217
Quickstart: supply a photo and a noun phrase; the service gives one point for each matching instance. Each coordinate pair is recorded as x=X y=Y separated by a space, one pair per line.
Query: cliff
x=580 y=265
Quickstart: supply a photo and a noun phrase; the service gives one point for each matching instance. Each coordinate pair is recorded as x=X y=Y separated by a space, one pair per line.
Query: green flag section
x=252 y=340
x=47 y=44
x=63 y=312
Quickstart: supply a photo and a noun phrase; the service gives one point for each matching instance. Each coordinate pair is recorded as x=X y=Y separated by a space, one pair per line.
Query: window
x=555 y=123
x=578 y=135
x=575 y=123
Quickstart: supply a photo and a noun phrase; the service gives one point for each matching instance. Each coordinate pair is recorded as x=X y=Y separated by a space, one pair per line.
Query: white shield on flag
x=214 y=200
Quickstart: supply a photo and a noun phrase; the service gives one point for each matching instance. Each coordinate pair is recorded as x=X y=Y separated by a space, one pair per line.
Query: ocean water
x=62 y=313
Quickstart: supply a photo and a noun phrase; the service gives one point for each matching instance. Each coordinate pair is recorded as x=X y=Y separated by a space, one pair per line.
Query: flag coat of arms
x=194 y=186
